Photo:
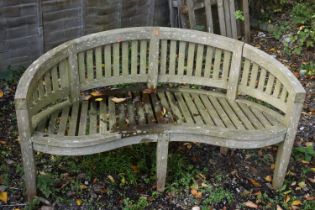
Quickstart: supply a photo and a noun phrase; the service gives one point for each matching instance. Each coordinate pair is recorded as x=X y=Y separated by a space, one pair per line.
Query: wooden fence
x=28 y=28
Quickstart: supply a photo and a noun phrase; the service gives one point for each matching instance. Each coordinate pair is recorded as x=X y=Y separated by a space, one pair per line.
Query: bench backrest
x=155 y=55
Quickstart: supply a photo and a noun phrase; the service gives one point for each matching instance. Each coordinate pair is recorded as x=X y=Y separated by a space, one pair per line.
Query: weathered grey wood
x=209 y=15
x=191 y=13
x=221 y=18
x=73 y=119
x=49 y=92
x=233 y=19
x=154 y=59
x=285 y=148
x=74 y=75
x=83 y=118
x=245 y=7
x=161 y=161
x=25 y=134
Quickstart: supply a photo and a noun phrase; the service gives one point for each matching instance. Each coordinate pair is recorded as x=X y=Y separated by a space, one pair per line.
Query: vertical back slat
x=226 y=65
x=134 y=57
x=64 y=74
x=181 y=58
x=191 y=13
x=89 y=64
x=245 y=74
x=108 y=60
x=98 y=62
x=276 y=91
x=81 y=61
x=163 y=56
x=217 y=63
x=190 y=59
x=125 y=58
x=172 y=57
x=54 y=78
x=208 y=64
x=262 y=79
x=199 y=60
x=253 y=77
x=143 y=57
x=48 y=84
x=270 y=82
x=116 y=59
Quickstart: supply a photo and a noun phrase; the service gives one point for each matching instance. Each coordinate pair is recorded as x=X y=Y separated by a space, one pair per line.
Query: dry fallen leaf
x=96 y=93
x=268 y=178
x=83 y=186
x=134 y=168
x=255 y=183
x=310 y=198
x=4 y=197
x=312 y=180
x=287 y=198
x=111 y=178
x=302 y=184
x=118 y=100
x=195 y=193
x=251 y=204
x=78 y=202
x=296 y=203
x=1 y=93
x=163 y=112
x=313 y=170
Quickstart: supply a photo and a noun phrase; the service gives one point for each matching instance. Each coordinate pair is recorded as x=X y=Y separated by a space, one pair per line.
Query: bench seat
x=207 y=116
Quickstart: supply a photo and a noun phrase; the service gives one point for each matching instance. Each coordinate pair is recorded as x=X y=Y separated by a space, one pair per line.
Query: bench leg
x=29 y=170
x=161 y=161
x=282 y=162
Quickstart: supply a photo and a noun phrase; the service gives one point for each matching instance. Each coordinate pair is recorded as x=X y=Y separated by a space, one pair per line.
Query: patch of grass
x=140 y=204
x=45 y=184
x=217 y=195
x=181 y=174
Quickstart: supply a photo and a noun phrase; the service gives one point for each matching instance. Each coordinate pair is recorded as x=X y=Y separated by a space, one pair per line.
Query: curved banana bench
x=159 y=85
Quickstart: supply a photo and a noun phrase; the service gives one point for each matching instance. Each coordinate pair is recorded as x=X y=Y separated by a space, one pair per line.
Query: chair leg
x=282 y=162
x=161 y=161
x=29 y=169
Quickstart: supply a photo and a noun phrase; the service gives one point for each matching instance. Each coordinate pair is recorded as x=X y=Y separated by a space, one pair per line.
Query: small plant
x=218 y=195
x=306 y=152
x=142 y=203
x=239 y=15
x=309 y=68
x=45 y=184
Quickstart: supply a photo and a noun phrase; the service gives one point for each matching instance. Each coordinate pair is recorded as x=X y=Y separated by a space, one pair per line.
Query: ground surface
x=199 y=175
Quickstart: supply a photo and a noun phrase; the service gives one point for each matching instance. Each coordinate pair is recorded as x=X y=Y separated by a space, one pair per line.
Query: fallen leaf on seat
x=163 y=112
x=149 y=91
x=99 y=99
x=97 y=93
x=4 y=197
x=251 y=204
x=118 y=100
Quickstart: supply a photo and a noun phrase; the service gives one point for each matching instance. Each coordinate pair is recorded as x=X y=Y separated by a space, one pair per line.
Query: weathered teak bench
x=246 y=98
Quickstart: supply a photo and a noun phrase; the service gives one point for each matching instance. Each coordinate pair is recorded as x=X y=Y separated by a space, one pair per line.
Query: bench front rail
x=258 y=103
